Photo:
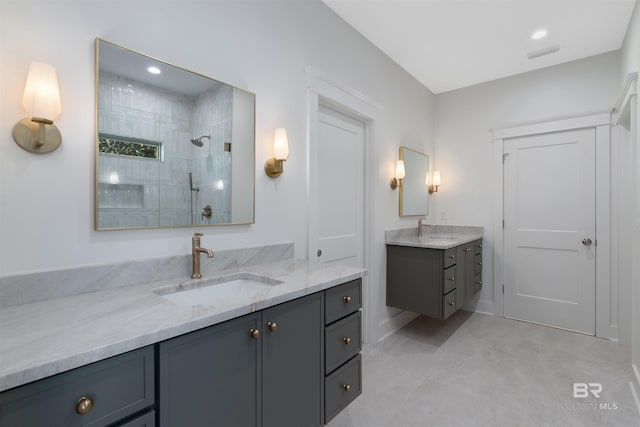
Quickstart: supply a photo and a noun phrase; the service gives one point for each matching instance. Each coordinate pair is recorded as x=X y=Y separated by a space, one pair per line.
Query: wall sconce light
x=41 y=100
x=273 y=166
x=433 y=188
x=396 y=181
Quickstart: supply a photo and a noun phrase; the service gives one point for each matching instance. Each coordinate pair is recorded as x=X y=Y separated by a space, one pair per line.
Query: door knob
x=587 y=242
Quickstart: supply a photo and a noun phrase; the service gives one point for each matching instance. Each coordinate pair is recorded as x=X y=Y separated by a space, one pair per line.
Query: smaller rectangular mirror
x=414 y=190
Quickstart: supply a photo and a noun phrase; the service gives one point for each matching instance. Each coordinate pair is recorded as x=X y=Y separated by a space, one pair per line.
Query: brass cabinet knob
x=347 y=387
x=273 y=326
x=467 y=249
x=84 y=405
x=347 y=300
x=452 y=278
x=254 y=333
x=451 y=303
x=452 y=257
x=347 y=340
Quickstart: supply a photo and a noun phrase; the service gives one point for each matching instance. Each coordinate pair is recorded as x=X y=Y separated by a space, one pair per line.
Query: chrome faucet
x=195 y=255
x=420 y=225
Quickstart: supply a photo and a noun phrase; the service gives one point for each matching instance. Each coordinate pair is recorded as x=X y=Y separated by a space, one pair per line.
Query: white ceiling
x=449 y=44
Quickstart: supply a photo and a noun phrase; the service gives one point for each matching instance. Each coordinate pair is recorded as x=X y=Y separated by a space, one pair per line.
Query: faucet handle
x=198 y=234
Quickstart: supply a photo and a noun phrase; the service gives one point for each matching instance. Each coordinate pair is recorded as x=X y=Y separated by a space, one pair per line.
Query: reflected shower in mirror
x=414 y=192
x=173 y=148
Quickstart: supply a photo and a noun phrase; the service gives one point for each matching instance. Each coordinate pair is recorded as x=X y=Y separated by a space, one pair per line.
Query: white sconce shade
x=41 y=92
x=400 y=173
x=281 y=144
x=41 y=99
x=273 y=166
x=436 y=178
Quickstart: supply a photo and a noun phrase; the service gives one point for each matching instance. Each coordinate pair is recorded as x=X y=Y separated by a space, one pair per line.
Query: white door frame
x=627 y=115
x=606 y=325
x=322 y=90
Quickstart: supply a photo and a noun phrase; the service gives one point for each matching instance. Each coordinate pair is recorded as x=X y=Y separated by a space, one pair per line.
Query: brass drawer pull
x=84 y=405
x=254 y=333
x=273 y=326
x=467 y=249
x=452 y=278
x=347 y=387
x=451 y=303
x=347 y=300
x=347 y=340
x=452 y=257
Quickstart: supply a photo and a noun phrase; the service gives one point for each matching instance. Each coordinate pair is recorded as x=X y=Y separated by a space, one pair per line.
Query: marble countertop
x=434 y=237
x=44 y=338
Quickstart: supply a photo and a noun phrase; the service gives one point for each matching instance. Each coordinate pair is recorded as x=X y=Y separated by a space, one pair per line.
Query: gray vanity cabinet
x=292 y=363
x=106 y=393
x=433 y=282
x=262 y=369
x=211 y=375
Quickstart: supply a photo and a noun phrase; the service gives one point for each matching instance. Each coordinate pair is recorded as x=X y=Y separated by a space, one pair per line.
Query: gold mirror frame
x=154 y=154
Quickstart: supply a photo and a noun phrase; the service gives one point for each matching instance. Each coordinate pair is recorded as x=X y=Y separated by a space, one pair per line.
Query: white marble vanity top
x=434 y=237
x=40 y=339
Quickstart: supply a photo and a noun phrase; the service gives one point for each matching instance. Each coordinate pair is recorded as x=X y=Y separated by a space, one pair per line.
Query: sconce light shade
x=396 y=181
x=41 y=92
x=41 y=100
x=281 y=144
x=435 y=182
x=274 y=166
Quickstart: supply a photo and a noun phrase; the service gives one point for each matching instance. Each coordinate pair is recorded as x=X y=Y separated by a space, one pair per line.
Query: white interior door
x=550 y=243
x=340 y=203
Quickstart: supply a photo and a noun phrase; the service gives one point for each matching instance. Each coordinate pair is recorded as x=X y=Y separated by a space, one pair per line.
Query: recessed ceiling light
x=154 y=70
x=539 y=34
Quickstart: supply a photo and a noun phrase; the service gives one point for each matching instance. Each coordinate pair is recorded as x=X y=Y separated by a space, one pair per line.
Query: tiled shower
x=144 y=192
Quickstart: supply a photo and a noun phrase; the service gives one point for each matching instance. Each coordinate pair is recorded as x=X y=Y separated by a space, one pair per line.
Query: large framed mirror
x=414 y=190
x=173 y=148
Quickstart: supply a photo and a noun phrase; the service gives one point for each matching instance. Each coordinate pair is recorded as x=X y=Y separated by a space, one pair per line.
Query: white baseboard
x=635 y=386
x=392 y=324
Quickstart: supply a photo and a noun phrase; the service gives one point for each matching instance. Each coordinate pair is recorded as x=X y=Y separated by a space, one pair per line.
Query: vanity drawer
x=449 y=257
x=448 y=304
x=342 y=341
x=146 y=420
x=342 y=300
x=477 y=283
x=118 y=387
x=478 y=264
x=342 y=387
x=449 y=279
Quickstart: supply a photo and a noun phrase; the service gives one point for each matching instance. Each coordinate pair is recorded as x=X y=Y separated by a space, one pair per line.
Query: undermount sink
x=217 y=289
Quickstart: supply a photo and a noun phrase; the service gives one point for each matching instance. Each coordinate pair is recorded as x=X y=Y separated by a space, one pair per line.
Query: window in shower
x=133 y=147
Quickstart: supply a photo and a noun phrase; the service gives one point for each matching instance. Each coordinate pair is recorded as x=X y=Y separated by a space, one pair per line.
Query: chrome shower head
x=198 y=141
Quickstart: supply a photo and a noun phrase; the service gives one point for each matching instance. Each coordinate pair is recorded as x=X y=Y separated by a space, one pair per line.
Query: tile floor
x=478 y=370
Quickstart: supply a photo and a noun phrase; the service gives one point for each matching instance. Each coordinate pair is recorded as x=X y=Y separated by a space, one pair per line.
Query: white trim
x=322 y=90
x=607 y=312
x=557 y=124
x=392 y=324
x=601 y=121
x=635 y=386
x=497 y=304
x=629 y=89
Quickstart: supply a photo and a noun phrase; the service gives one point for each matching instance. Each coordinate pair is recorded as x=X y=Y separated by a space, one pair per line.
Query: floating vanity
x=435 y=274
x=276 y=344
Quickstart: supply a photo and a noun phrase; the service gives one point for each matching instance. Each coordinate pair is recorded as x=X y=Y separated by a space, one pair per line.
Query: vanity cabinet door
x=212 y=376
x=292 y=373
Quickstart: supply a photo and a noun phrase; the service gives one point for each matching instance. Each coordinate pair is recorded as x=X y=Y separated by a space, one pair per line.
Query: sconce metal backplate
x=273 y=167
x=25 y=134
